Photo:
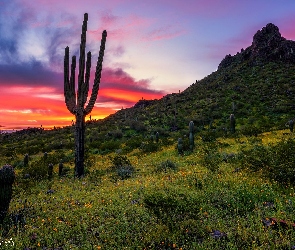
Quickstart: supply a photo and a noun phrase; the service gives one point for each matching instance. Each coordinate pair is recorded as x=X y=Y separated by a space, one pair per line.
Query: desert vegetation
x=211 y=167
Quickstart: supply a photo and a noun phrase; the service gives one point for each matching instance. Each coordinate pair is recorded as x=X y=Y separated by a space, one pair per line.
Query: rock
x=268 y=45
x=216 y=234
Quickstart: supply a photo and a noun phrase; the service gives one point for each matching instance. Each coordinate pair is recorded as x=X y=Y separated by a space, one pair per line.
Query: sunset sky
x=154 y=47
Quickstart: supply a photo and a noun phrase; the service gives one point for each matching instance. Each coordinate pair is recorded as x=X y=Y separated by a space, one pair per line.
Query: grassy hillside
x=232 y=191
x=226 y=194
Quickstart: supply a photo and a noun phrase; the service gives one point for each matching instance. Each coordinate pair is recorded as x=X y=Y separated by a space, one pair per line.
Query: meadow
x=230 y=192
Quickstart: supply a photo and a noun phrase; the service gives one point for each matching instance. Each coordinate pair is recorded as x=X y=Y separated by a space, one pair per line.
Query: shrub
x=122 y=166
x=36 y=169
x=132 y=143
x=209 y=136
x=167 y=165
x=211 y=158
x=282 y=161
x=110 y=146
x=175 y=208
x=276 y=161
x=149 y=147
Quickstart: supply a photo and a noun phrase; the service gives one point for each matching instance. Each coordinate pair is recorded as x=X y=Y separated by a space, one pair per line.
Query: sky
x=153 y=48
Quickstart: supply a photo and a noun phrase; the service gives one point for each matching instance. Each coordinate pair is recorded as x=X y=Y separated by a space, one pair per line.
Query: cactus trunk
x=79 y=146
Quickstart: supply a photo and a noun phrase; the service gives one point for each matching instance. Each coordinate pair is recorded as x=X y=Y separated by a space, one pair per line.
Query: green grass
x=188 y=206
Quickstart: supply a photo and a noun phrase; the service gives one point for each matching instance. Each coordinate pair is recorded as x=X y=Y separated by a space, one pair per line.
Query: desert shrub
x=138 y=126
x=166 y=141
x=208 y=136
x=122 y=166
x=255 y=158
x=250 y=130
x=211 y=158
x=149 y=147
x=36 y=169
x=275 y=161
x=109 y=146
x=132 y=143
x=166 y=165
x=175 y=209
x=282 y=161
x=116 y=134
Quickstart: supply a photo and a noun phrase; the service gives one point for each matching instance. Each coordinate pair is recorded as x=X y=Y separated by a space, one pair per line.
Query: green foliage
x=122 y=165
x=149 y=147
x=109 y=146
x=132 y=143
x=211 y=158
x=275 y=161
x=178 y=211
x=166 y=166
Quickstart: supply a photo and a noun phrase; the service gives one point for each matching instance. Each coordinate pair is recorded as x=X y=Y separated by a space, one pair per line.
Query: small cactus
x=191 y=135
x=232 y=123
x=290 y=124
x=60 y=168
x=50 y=171
x=26 y=160
x=180 y=146
x=7 y=177
x=157 y=137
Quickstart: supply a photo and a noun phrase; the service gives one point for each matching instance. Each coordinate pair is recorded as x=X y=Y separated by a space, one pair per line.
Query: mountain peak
x=267 y=45
x=268 y=37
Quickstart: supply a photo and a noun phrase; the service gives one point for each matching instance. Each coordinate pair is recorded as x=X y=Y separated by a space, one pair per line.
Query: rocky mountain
x=267 y=45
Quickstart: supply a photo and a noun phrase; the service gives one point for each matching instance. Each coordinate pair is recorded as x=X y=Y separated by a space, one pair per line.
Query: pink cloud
x=164 y=33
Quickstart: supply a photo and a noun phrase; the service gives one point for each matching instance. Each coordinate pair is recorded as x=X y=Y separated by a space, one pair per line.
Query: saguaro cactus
x=75 y=103
x=26 y=160
x=180 y=146
x=7 y=177
x=232 y=123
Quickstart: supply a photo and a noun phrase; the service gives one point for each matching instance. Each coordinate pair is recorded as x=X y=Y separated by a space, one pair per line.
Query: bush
x=175 y=209
x=209 y=136
x=110 y=146
x=167 y=165
x=122 y=166
x=149 y=147
x=282 y=161
x=132 y=143
x=276 y=161
x=211 y=158
x=36 y=169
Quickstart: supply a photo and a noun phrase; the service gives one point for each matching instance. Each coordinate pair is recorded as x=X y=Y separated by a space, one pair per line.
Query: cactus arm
x=66 y=67
x=70 y=95
x=85 y=87
x=95 y=88
x=82 y=62
x=69 y=92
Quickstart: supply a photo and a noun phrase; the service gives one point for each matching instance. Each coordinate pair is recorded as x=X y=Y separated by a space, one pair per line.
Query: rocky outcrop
x=267 y=45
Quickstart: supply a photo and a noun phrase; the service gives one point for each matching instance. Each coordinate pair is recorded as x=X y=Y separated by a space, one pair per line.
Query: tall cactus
x=75 y=103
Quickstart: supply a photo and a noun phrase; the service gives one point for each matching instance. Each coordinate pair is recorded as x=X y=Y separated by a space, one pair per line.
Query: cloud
x=32 y=73
x=164 y=33
x=117 y=51
x=121 y=80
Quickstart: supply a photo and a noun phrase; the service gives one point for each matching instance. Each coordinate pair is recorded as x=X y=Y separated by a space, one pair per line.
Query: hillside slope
x=256 y=84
